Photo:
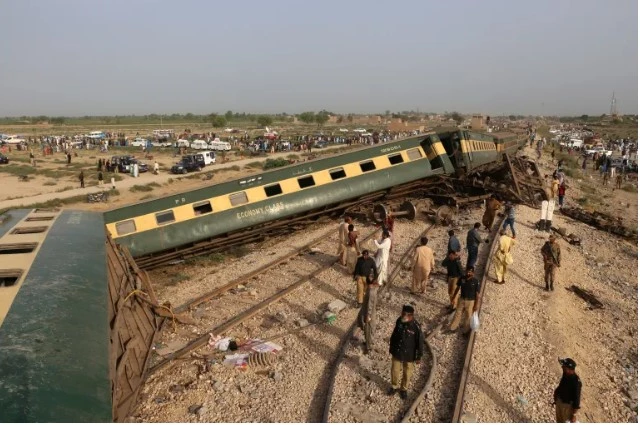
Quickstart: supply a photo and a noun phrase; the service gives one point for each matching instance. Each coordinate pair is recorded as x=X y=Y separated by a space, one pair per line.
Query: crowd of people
x=369 y=271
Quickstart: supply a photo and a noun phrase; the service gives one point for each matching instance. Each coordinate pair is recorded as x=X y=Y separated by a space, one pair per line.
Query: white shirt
x=382 y=255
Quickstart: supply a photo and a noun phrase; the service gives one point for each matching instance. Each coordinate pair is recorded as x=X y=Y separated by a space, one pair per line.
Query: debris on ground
x=601 y=221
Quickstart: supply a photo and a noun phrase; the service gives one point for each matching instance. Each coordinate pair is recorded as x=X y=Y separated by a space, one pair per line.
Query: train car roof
x=257 y=179
x=54 y=339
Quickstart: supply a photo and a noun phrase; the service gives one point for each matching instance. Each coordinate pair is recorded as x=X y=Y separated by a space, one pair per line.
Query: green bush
x=274 y=163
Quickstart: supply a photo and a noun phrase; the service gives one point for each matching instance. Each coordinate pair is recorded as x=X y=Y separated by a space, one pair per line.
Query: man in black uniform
x=365 y=266
x=468 y=303
x=567 y=396
x=406 y=347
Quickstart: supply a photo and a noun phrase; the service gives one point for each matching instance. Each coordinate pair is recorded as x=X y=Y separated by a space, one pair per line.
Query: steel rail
x=462 y=387
x=241 y=317
x=349 y=334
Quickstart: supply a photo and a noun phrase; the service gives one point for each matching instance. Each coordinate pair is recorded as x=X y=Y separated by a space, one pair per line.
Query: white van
x=182 y=143
x=218 y=145
x=199 y=144
x=209 y=157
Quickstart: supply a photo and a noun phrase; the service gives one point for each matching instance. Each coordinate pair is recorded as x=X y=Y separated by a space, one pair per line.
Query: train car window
x=395 y=159
x=337 y=173
x=10 y=277
x=165 y=217
x=367 y=166
x=28 y=230
x=273 y=190
x=414 y=154
x=238 y=198
x=306 y=181
x=203 y=207
x=124 y=227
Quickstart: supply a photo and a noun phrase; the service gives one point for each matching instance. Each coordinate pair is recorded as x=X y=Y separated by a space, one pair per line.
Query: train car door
x=454 y=147
x=467 y=149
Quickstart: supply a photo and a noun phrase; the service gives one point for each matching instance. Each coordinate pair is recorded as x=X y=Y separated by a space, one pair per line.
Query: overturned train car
x=174 y=222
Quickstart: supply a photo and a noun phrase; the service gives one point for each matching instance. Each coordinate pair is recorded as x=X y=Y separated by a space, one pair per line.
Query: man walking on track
x=454 y=272
x=365 y=266
x=502 y=258
x=382 y=256
x=406 y=347
x=492 y=207
x=551 y=257
x=469 y=288
x=366 y=316
x=423 y=263
x=343 y=231
x=567 y=396
x=510 y=211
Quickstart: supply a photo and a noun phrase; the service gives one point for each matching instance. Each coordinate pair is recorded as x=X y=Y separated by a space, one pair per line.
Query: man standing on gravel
x=567 y=396
x=423 y=263
x=473 y=241
x=365 y=266
x=454 y=272
x=382 y=256
x=367 y=314
x=406 y=347
x=502 y=258
x=343 y=230
x=510 y=211
x=492 y=207
x=551 y=257
x=469 y=288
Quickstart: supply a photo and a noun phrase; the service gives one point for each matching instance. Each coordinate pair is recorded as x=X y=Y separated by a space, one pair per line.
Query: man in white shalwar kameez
x=382 y=256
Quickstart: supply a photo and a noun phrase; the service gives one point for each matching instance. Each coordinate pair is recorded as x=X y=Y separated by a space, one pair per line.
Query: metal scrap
x=601 y=221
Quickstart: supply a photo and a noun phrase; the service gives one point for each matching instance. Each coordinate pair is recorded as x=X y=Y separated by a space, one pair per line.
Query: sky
x=121 y=57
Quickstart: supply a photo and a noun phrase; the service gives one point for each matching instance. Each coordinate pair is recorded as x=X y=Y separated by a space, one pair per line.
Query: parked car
x=142 y=167
x=122 y=162
x=161 y=143
x=197 y=158
x=139 y=142
x=185 y=165
x=320 y=144
x=218 y=145
x=182 y=143
x=199 y=144
x=209 y=157
x=3 y=159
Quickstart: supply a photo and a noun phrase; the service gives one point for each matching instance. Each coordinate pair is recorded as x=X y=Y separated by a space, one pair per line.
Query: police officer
x=567 y=396
x=406 y=348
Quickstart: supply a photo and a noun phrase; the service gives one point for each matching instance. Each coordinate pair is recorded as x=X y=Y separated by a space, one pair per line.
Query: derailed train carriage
x=304 y=190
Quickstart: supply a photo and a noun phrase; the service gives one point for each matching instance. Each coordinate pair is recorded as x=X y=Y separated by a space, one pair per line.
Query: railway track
x=254 y=309
x=436 y=323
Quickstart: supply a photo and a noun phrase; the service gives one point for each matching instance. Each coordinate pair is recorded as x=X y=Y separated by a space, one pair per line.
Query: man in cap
x=469 y=288
x=366 y=316
x=502 y=258
x=551 y=257
x=567 y=396
x=406 y=347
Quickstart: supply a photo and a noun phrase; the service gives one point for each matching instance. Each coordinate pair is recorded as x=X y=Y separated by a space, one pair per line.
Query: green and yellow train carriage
x=507 y=142
x=175 y=221
x=467 y=149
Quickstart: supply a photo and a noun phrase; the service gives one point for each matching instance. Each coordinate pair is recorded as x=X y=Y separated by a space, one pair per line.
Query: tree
x=340 y=119
x=57 y=120
x=264 y=120
x=350 y=117
x=584 y=117
x=219 y=121
x=512 y=117
x=457 y=117
x=228 y=115
x=387 y=112
x=307 y=117
x=321 y=118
